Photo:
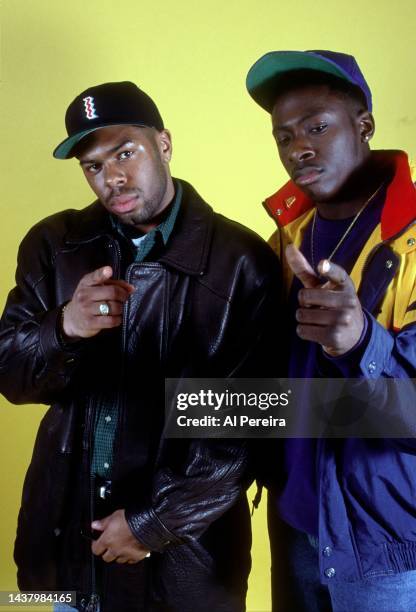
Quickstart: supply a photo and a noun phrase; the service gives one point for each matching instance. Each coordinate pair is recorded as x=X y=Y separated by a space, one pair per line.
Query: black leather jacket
x=206 y=306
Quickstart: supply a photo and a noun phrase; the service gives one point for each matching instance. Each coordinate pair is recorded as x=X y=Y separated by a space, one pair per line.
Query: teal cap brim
x=262 y=78
x=65 y=148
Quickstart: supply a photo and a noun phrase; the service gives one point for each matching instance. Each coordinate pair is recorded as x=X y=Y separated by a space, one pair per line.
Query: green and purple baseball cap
x=263 y=77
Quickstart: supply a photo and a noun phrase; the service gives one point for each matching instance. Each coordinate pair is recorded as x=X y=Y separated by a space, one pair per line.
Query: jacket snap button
x=327 y=551
x=411 y=241
x=330 y=572
x=389 y=264
x=279 y=212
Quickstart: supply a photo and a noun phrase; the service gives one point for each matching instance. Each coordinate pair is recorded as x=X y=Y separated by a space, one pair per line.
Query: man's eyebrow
x=113 y=150
x=286 y=126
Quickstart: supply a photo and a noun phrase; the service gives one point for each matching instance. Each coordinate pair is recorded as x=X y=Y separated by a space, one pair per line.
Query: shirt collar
x=188 y=247
x=166 y=226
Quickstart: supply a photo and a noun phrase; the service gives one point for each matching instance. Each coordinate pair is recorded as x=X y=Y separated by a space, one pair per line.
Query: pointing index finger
x=98 y=277
x=301 y=267
x=335 y=274
x=103 y=276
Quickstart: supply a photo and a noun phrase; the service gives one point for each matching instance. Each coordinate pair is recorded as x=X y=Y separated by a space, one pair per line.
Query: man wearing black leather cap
x=146 y=283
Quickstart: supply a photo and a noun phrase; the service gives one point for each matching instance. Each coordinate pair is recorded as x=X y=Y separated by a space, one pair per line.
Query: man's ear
x=165 y=145
x=366 y=125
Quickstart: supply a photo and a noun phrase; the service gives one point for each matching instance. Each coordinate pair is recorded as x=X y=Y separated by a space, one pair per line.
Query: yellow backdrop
x=192 y=57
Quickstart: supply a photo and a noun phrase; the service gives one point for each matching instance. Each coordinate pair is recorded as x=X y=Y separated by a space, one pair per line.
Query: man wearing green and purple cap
x=346 y=239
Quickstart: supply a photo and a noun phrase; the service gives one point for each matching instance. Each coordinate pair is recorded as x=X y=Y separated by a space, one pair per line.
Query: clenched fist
x=82 y=316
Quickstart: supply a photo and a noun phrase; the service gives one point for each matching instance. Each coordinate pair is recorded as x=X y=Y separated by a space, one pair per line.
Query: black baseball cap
x=108 y=104
x=263 y=77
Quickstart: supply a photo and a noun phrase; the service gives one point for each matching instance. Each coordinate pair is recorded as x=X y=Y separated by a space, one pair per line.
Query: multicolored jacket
x=367 y=496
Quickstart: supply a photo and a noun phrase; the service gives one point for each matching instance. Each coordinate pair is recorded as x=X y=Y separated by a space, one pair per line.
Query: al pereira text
x=241 y=420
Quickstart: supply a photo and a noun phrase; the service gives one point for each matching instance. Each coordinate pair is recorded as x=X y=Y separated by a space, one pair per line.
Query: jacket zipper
x=120 y=402
x=93 y=602
x=88 y=439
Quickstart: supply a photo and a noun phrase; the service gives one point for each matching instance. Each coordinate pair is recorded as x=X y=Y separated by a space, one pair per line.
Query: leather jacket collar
x=195 y=220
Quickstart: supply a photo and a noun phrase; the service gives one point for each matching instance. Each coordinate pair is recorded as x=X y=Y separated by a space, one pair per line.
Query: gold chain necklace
x=347 y=231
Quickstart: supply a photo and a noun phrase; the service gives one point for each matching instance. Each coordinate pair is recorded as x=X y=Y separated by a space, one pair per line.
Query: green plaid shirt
x=106 y=417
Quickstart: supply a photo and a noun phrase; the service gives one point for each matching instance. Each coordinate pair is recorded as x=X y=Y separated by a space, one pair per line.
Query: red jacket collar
x=399 y=209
